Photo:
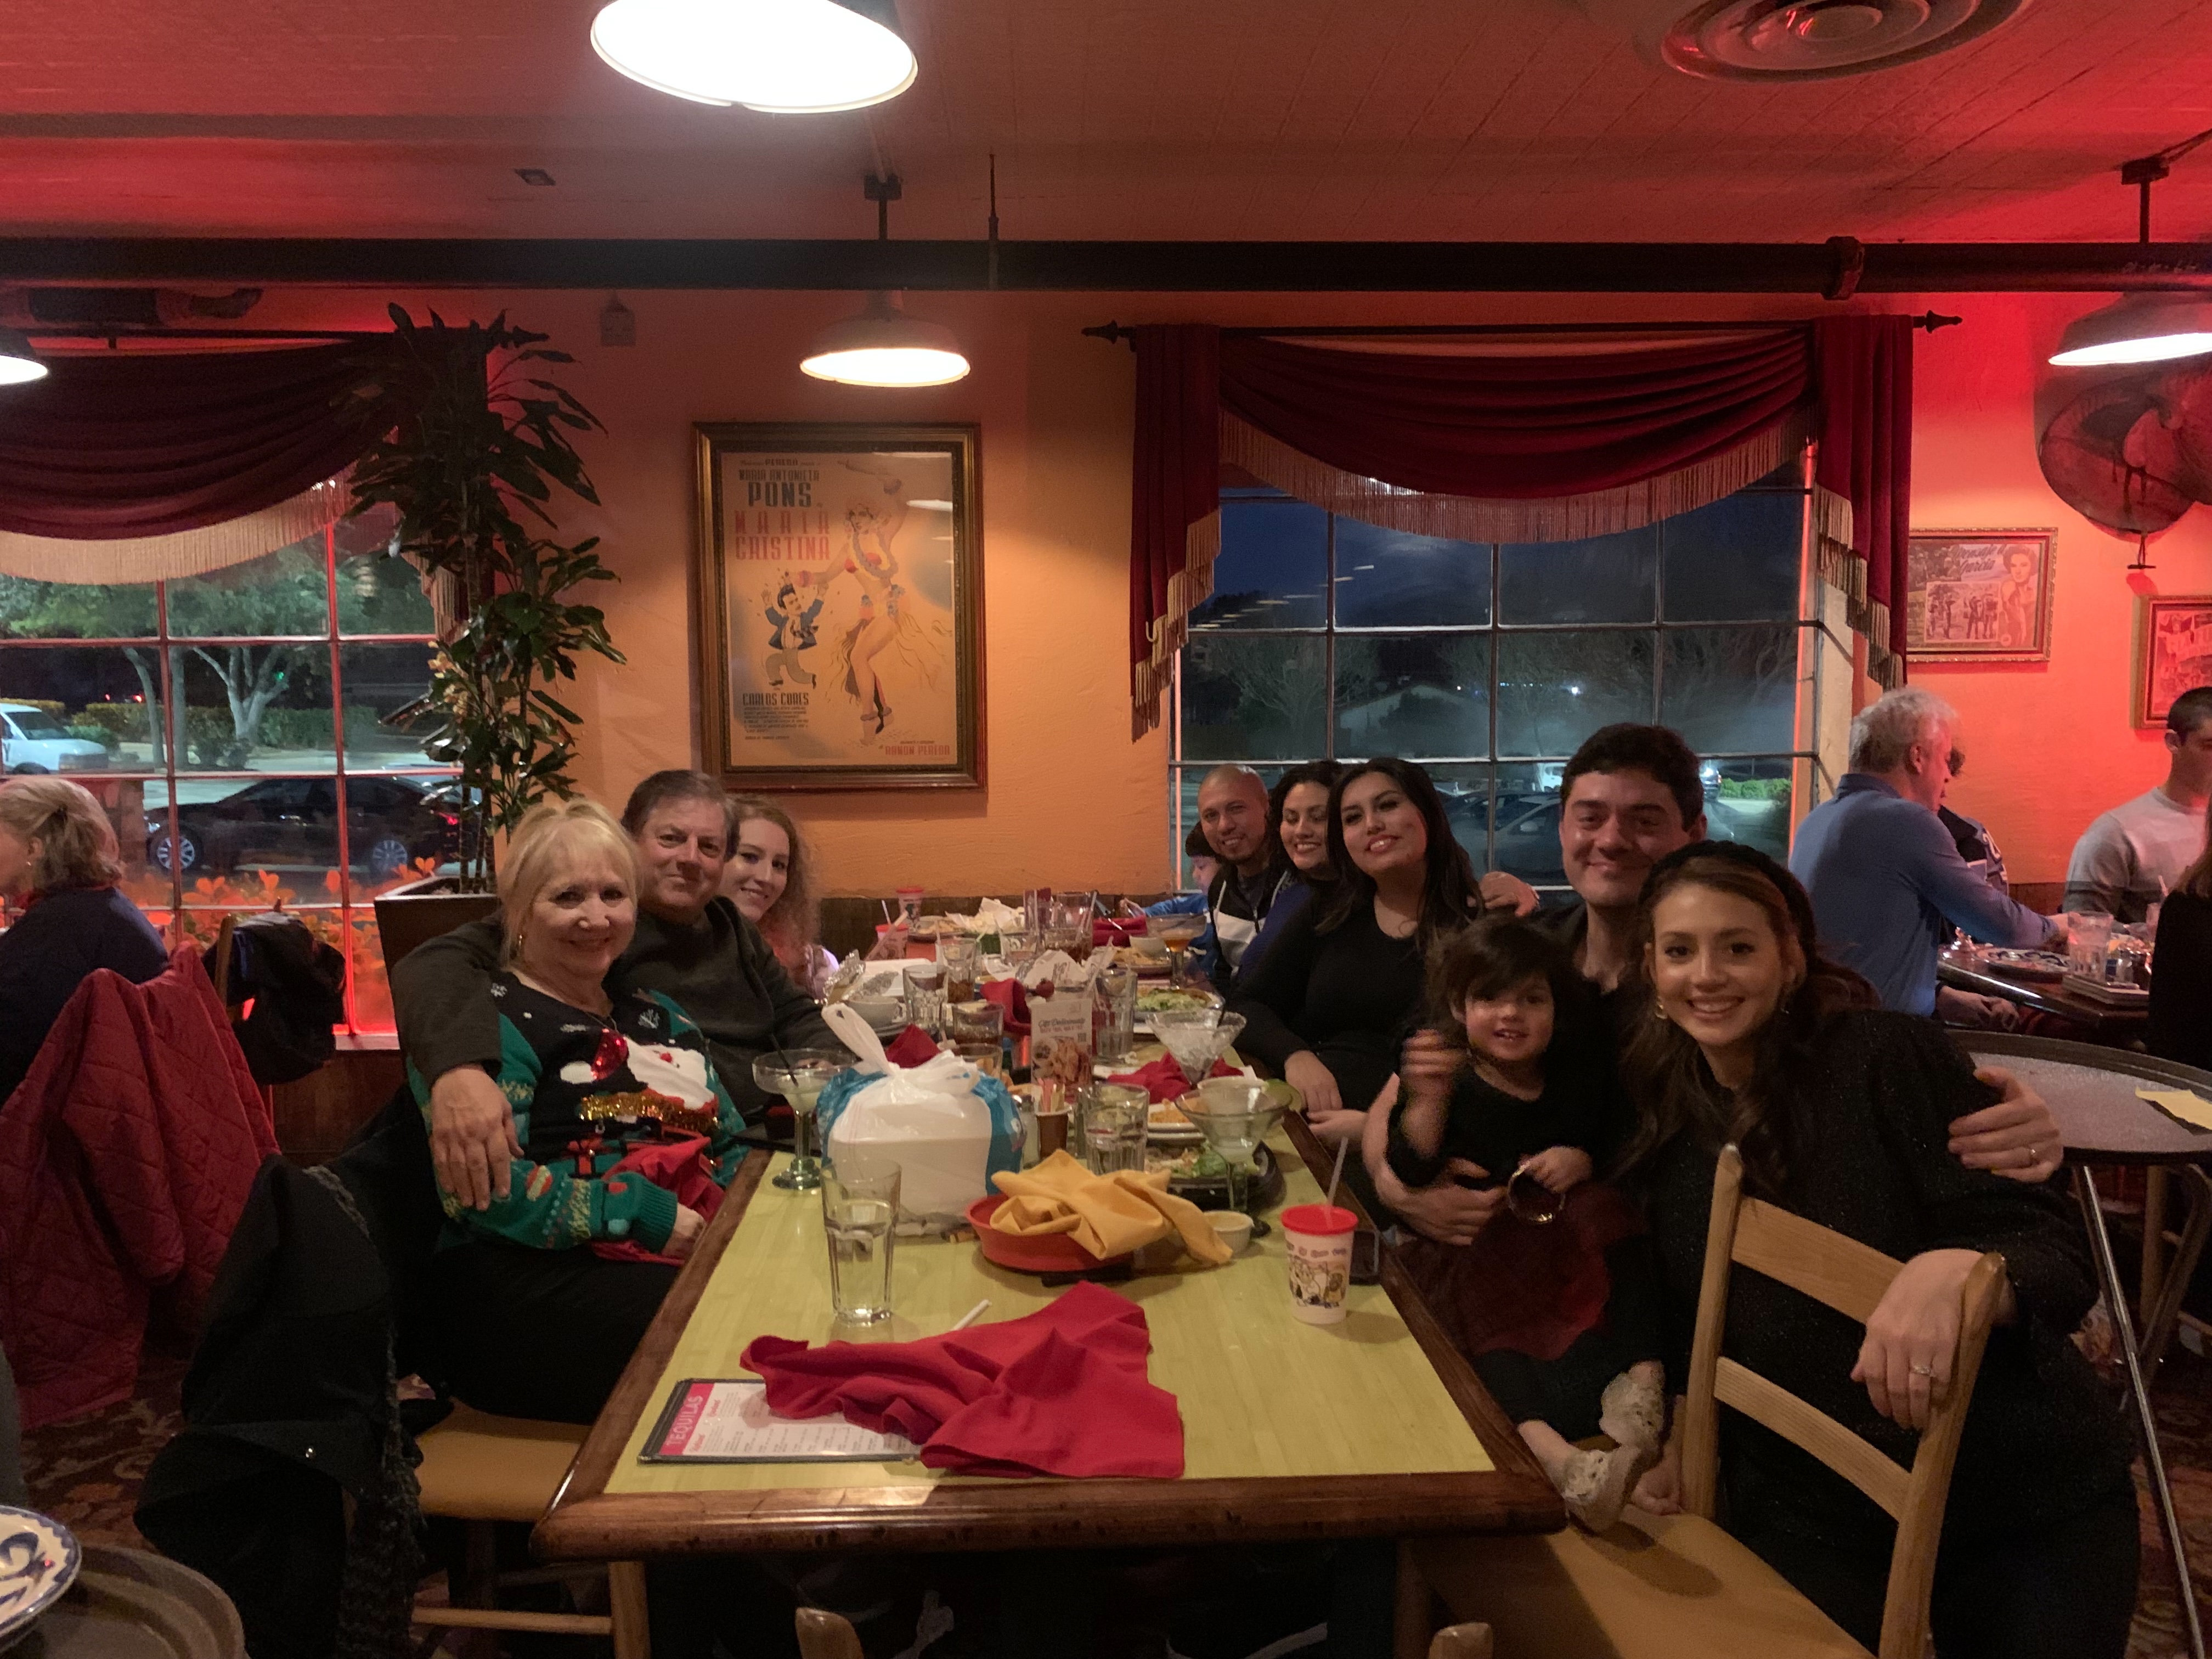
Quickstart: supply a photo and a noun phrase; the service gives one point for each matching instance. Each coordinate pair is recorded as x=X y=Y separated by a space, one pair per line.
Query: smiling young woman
x=1841 y=1112
x=771 y=881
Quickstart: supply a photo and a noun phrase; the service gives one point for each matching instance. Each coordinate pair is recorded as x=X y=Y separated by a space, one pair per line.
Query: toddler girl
x=1557 y=1302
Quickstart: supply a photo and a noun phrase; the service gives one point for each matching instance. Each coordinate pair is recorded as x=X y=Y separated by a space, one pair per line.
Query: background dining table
x=1375 y=1427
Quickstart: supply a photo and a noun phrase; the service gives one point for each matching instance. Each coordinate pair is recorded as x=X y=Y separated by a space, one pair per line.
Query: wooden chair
x=481 y=1470
x=828 y=1636
x=1679 y=1588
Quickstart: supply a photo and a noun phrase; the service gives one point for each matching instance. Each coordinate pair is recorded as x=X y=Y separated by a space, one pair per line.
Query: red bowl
x=1030 y=1253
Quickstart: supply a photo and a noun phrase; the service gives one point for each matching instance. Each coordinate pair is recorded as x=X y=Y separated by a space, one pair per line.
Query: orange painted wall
x=1071 y=801
x=2048 y=745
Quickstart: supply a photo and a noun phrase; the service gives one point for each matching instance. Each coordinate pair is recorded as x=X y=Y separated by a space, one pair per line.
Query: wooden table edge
x=586 y=1522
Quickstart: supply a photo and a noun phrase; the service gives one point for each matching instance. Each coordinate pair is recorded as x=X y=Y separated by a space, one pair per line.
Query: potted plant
x=481 y=447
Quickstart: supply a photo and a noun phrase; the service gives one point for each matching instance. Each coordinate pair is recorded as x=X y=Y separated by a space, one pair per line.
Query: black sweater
x=1866 y=1137
x=2181 y=982
x=1350 y=995
x=720 y=971
x=1488 y=1126
x=59 y=942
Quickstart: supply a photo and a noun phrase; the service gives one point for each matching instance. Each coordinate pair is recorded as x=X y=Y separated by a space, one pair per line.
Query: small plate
x=2044 y=965
x=38 y=1560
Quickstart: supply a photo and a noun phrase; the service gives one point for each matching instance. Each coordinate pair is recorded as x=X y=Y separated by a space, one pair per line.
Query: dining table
x=1374 y=1427
x=2119 y=1022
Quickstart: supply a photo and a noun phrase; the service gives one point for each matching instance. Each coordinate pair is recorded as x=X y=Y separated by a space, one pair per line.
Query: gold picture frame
x=838 y=635
x=2173 y=651
x=1979 y=595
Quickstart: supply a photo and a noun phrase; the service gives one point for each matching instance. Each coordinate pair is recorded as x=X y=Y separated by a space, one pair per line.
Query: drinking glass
x=799 y=1075
x=1067 y=927
x=926 y=997
x=1116 y=1016
x=976 y=1021
x=959 y=958
x=1197 y=1038
x=858 y=1210
x=1018 y=949
x=1236 y=1114
x=1178 y=934
x=1114 y=1117
x=2086 y=953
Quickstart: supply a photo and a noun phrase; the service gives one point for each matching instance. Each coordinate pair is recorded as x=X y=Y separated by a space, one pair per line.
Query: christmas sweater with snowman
x=587 y=1090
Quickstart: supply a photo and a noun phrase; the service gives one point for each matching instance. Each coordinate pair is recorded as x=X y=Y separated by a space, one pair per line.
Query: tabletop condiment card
x=726 y=1421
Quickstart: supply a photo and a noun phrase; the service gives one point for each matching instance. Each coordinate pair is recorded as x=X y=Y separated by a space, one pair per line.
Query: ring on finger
x=1919 y=1370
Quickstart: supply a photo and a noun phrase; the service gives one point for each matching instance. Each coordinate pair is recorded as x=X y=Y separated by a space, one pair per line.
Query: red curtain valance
x=1609 y=440
x=126 y=445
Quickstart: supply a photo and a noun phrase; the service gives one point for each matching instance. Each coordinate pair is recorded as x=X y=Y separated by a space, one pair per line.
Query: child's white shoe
x=1634 y=1413
x=1596 y=1484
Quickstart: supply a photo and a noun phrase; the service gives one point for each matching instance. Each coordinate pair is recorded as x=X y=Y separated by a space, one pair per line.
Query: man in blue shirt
x=1886 y=877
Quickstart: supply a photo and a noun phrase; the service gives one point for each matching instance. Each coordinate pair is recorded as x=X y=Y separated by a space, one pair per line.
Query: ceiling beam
x=1836 y=269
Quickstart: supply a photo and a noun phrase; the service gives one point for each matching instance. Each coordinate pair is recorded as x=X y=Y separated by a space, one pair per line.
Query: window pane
x=1606 y=578
x=285 y=592
x=68 y=610
x=379 y=593
x=1388 y=579
x=89 y=708
x=381 y=681
x=257 y=708
x=1418 y=693
x=1528 y=833
x=248 y=841
x=1748 y=800
x=1466 y=791
x=1554 y=690
x=1272 y=566
x=1736 y=561
x=1732 y=691
x=1253 y=698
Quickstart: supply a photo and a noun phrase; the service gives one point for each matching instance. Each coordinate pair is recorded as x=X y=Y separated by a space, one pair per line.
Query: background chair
x=1679 y=1588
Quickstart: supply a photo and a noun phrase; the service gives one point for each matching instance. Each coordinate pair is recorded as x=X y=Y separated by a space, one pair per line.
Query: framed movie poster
x=2173 y=652
x=840 y=626
x=1978 y=595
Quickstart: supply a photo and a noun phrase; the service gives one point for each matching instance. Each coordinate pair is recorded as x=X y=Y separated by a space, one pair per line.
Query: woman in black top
x=2181 y=971
x=1840 y=1112
x=57 y=851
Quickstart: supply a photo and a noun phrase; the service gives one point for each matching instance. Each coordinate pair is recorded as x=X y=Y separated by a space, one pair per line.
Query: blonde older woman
x=536 y=1322
x=57 y=852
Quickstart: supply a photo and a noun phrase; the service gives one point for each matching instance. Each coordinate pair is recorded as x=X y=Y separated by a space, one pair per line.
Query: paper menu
x=2191 y=1109
x=726 y=1421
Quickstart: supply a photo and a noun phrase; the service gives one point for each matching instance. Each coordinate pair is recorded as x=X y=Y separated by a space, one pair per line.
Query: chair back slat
x=1851 y=1278
x=1812 y=1429
x=1848 y=1276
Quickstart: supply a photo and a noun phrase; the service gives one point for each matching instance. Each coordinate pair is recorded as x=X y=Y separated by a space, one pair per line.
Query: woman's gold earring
x=1659 y=1013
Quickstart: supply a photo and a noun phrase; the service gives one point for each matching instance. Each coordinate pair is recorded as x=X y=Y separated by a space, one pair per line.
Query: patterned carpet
x=87 y=1475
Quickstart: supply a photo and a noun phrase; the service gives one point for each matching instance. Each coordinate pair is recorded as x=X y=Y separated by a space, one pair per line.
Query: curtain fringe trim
x=186 y=553
x=1844 y=569
x=1546 y=519
x=1187 y=588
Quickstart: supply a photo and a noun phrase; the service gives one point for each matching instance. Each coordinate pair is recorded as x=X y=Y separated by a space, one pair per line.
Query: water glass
x=1114 y=1123
x=857 y=1212
x=959 y=958
x=976 y=1021
x=1018 y=949
x=2085 y=954
x=1067 y=927
x=1115 y=1015
x=987 y=1058
x=925 y=997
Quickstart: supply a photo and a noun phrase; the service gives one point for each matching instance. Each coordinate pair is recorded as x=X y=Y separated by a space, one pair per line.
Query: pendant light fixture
x=19 y=364
x=782 y=57
x=2142 y=328
x=884 y=346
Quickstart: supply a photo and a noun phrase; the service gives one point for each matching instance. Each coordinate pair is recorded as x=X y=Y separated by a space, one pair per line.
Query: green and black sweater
x=587 y=1091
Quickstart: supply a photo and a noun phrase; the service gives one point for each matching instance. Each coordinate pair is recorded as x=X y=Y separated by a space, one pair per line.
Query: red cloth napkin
x=1115 y=930
x=1061 y=1392
x=1164 y=1078
x=1009 y=995
x=911 y=1046
x=679 y=1164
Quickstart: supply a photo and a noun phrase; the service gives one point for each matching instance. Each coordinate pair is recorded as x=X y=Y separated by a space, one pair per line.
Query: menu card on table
x=1060 y=1036
x=726 y=1421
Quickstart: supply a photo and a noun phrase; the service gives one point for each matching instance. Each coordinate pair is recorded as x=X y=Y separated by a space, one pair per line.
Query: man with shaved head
x=1232 y=813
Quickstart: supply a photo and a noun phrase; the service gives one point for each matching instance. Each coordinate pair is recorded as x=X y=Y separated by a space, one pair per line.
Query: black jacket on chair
x=289 y=1405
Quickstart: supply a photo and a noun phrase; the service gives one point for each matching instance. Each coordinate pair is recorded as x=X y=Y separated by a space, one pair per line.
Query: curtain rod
x=96 y=331
x=1115 y=333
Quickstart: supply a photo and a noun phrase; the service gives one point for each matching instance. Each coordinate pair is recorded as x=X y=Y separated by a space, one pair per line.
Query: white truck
x=32 y=740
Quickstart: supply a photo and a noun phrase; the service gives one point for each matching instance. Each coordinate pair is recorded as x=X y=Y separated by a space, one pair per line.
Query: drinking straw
x=972 y=1315
x=1337 y=1174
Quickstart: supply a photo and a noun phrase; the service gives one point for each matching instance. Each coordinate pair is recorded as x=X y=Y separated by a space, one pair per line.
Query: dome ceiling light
x=2142 y=328
x=19 y=364
x=884 y=346
x=780 y=57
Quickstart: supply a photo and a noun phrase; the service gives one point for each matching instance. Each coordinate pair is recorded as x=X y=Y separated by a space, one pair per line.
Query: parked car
x=32 y=740
x=293 y=824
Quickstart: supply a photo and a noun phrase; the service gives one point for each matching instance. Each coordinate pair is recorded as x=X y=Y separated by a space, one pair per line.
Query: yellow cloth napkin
x=2193 y=1110
x=1107 y=1215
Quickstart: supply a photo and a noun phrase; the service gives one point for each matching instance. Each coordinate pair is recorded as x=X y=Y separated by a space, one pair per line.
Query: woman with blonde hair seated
x=543 y=1295
x=58 y=853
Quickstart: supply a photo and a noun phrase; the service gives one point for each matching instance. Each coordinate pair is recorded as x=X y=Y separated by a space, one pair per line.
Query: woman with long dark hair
x=1331 y=1000
x=1841 y=1114
x=1298 y=822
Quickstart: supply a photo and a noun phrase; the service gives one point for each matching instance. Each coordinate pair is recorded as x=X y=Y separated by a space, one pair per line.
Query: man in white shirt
x=2130 y=858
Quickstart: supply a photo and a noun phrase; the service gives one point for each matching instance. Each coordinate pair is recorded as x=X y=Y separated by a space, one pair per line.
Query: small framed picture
x=2173 y=652
x=839 y=633
x=1978 y=595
